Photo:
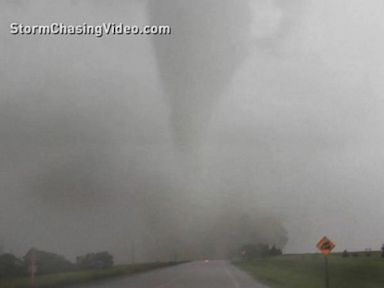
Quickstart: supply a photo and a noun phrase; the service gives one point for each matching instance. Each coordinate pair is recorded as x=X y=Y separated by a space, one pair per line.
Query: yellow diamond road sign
x=325 y=246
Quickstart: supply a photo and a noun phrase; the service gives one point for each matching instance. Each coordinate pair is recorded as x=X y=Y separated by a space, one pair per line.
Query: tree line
x=48 y=263
x=252 y=251
x=367 y=252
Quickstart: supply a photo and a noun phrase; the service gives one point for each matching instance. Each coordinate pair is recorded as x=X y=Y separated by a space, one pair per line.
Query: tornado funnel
x=196 y=62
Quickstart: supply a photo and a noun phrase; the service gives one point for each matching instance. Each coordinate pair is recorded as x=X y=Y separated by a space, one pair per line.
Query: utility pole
x=175 y=256
x=32 y=267
x=132 y=252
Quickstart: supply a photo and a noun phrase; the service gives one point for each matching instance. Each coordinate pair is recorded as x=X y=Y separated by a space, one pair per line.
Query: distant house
x=47 y=262
x=100 y=260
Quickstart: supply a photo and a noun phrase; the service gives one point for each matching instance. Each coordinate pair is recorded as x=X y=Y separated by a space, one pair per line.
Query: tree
x=48 y=262
x=100 y=260
x=382 y=251
x=251 y=251
x=10 y=266
x=275 y=251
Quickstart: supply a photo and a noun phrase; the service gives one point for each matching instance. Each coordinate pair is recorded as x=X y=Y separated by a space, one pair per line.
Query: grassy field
x=307 y=271
x=65 y=279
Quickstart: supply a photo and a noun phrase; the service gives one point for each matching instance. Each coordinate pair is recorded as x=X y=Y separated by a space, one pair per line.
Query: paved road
x=214 y=274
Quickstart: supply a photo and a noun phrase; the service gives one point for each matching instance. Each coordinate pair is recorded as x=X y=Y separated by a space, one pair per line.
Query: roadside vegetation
x=346 y=270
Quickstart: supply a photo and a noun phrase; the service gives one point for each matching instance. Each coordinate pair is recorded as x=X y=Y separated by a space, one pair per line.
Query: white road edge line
x=233 y=279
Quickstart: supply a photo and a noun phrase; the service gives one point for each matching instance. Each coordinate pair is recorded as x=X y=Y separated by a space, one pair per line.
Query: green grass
x=77 y=277
x=307 y=271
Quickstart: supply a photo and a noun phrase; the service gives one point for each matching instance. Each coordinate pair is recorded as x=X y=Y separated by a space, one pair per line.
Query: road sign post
x=32 y=267
x=326 y=246
x=326 y=271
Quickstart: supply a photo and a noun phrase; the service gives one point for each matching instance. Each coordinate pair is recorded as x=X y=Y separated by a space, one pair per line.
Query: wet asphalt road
x=212 y=274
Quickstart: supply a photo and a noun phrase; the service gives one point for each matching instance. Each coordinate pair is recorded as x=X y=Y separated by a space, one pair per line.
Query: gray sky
x=269 y=109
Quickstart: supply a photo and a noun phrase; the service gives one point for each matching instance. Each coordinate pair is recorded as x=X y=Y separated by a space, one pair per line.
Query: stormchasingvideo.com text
x=101 y=30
